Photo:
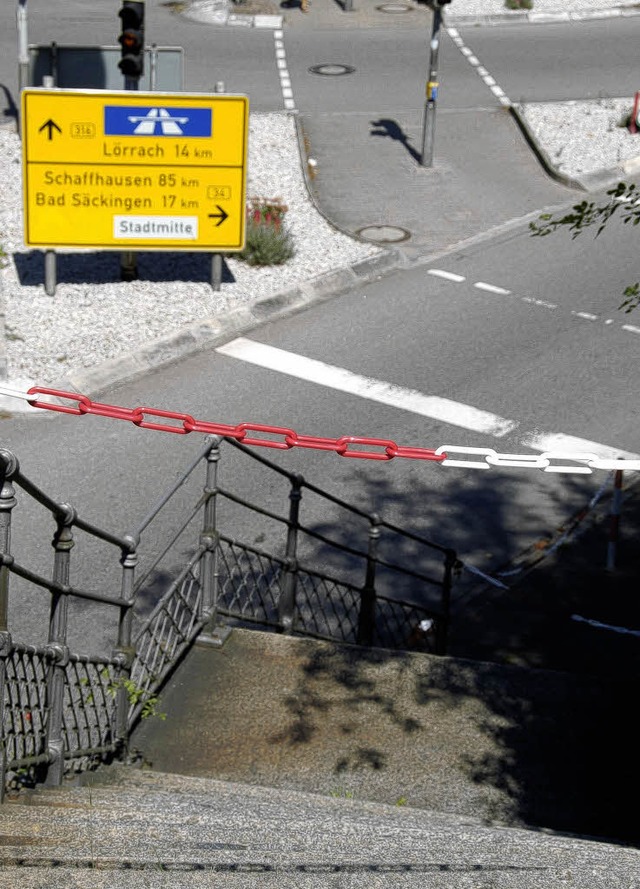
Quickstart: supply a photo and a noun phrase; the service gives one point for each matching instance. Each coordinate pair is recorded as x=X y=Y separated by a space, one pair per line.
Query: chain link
x=351 y=446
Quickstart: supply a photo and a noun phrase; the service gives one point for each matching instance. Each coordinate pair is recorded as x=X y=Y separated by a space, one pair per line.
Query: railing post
x=367 y=613
x=124 y=651
x=8 y=467
x=442 y=624
x=62 y=543
x=212 y=633
x=287 y=601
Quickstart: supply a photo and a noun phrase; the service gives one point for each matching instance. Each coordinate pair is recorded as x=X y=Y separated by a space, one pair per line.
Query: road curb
x=210 y=332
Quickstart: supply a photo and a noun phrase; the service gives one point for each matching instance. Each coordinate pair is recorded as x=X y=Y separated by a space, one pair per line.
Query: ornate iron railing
x=64 y=710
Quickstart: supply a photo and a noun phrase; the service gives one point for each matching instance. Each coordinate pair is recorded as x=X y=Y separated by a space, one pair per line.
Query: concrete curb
x=210 y=332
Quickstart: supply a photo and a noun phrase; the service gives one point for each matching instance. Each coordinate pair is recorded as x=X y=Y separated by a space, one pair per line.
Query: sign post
x=134 y=170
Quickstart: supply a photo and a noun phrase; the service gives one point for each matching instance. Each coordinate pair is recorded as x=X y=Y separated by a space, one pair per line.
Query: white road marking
x=436 y=408
x=586 y=315
x=558 y=441
x=539 y=302
x=449 y=276
x=283 y=71
x=489 y=81
x=631 y=328
x=432 y=406
x=491 y=288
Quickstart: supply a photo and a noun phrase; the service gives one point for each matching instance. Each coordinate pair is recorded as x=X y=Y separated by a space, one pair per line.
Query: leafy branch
x=623 y=199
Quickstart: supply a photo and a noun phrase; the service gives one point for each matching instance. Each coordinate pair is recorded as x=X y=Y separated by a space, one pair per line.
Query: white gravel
x=541 y=7
x=583 y=137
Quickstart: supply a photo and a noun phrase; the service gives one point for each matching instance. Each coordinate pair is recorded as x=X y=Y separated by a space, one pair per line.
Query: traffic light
x=132 y=38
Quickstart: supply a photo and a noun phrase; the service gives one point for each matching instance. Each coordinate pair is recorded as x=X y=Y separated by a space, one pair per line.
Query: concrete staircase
x=157 y=831
x=287 y=762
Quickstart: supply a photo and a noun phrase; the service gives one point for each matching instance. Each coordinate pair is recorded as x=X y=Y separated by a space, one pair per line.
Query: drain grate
x=331 y=70
x=384 y=234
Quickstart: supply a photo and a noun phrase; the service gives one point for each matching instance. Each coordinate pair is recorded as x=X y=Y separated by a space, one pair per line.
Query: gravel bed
x=94 y=317
x=583 y=137
x=497 y=7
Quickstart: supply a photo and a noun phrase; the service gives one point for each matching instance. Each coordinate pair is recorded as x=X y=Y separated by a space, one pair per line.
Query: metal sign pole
x=23 y=45
x=429 y=125
x=216 y=258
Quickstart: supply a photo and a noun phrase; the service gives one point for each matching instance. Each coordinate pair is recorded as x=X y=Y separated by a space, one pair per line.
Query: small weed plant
x=268 y=242
x=518 y=4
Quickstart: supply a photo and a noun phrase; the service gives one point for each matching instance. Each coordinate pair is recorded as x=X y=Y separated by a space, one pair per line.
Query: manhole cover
x=331 y=70
x=396 y=8
x=384 y=234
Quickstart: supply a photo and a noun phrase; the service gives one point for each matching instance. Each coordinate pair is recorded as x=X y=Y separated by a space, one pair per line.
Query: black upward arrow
x=221 y=216
x=50 y=125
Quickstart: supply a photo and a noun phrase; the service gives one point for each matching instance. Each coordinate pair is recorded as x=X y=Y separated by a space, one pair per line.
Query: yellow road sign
x=132 y=170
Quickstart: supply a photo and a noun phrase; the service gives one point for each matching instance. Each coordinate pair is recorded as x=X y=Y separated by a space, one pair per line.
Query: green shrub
x=267 y=240
x=518 y=4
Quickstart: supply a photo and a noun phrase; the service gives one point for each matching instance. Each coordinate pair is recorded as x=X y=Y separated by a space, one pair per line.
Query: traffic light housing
x=132 y=38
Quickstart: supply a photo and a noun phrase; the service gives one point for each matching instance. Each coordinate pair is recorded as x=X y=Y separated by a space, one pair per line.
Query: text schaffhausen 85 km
x=130 y=170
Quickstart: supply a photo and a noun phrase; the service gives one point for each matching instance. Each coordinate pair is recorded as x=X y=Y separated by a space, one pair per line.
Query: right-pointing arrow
x=221 y=216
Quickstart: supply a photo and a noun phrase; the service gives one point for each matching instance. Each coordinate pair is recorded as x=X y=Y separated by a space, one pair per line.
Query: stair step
x=156 y=830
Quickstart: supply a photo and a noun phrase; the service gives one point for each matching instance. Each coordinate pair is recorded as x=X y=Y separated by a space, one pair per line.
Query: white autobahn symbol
x=157 y=116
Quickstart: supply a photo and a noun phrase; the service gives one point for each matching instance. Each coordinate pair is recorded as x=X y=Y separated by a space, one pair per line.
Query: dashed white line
x=482 y=72
x=587 y=316
x=281 y=65
x=631 y=328
x=449 y=276
x=491 y=288
x=539 y=302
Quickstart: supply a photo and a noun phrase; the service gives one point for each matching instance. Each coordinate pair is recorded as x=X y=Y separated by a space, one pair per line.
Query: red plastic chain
x=283 y=437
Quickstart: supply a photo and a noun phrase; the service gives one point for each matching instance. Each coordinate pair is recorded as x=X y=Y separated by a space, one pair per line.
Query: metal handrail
x=83 y=703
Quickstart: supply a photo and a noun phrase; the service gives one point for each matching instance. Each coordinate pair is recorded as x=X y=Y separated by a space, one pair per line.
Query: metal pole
x=125 y=652
x=429 y=122
x=212 y=633
x=62 y=543
x=23 y=45
x=216 y=258
x=614 y=520
x=442 y=625
x=153 y=66
x=128 y=259
x=367 y=614
x=287 y=602
x=8 y=468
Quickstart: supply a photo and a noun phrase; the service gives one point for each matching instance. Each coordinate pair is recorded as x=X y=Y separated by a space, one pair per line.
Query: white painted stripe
x=489 y=80
x=539 y=302
x=432 y=406
x=473 y=60
x=631 y=328
x=491 y=288
x=497 y=91
x=449 y=276
x=586 y=315
x=557 y=441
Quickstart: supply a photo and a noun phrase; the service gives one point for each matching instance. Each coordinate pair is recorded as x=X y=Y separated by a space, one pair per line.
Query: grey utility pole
x=429 y=122
x=23 y=45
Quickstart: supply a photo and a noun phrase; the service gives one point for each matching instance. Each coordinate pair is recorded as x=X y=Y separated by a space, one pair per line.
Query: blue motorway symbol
x=120 y=120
